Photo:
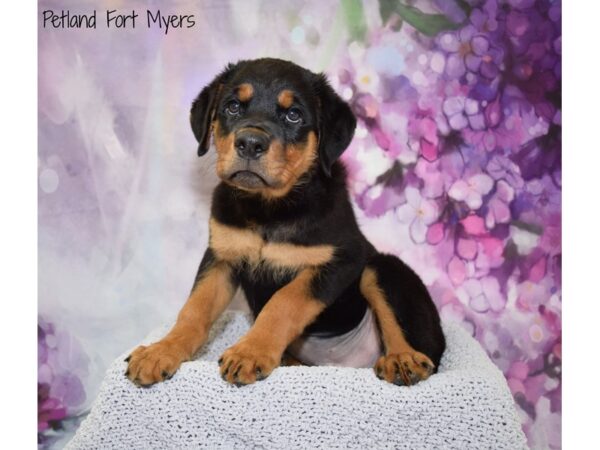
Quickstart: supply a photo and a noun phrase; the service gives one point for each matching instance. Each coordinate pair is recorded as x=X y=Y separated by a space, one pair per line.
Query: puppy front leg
x=283 y=319
x=213 y=290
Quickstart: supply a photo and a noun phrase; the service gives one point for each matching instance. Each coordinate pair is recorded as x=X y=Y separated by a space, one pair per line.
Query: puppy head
x=274 y=125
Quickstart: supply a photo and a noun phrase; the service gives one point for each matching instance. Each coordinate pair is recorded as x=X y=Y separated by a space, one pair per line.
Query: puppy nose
x=251 y=144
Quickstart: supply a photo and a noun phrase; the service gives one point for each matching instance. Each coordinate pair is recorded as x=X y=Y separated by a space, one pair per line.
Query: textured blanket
x=467 y=404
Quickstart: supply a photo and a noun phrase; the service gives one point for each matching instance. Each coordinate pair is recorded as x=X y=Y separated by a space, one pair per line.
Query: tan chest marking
x=233 y=244
x=296 y=256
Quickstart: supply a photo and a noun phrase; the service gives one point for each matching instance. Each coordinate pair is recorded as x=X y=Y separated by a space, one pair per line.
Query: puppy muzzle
x=251 y=143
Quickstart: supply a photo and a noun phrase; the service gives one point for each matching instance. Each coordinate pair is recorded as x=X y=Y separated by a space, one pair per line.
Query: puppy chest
x=236 y=245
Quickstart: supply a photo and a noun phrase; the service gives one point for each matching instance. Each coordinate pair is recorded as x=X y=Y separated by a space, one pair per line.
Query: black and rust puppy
x=283 y=229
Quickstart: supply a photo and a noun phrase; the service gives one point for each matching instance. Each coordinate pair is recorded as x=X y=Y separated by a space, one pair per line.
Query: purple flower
x=483 y=294
x=418 y=212
x=472 y=190
x=50 y=410
x=462 y=112
x=498 y=205
x=483 y=18
x=501 y=167
x=465 y=49
x=470 y=53
x=541 y=155
x=60 y=391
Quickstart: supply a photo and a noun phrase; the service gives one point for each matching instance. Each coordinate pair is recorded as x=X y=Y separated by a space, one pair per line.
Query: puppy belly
x=359 y=348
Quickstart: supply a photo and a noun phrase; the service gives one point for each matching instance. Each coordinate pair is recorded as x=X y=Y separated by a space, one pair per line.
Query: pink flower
x=438 y=176
x=474 y=225
x=551 y=241
x=425 y=130
x=490 y=254
x=435 y=233
x=532 y=294
x=466 y=248
x=419 y=212
x=457 y=271
x=471 y=190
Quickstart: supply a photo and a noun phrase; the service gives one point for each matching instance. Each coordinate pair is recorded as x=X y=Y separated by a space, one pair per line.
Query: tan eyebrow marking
x=245 y=92
x=285 y=98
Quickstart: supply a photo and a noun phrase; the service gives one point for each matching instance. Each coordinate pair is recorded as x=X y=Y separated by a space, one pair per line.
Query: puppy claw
x=243 y=365
x=427 y=366
x=154 y=363
x=404 y=369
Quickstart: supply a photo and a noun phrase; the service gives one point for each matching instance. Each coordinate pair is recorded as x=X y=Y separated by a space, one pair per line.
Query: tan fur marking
x=285 y=164
x=225 y=153
x=283 y=318
x=286 y=314
x=392 y=335
x=289 y=164
x=245 y=92
x=401 y=363
x=289 y=255
x=209 y=298
x=285 y=98
x=234 y=244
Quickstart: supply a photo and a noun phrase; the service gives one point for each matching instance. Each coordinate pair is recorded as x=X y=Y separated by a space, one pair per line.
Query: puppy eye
x=293 y=116
x=233 y=108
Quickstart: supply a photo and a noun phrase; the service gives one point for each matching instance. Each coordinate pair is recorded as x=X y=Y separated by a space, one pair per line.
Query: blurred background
x=455 y=167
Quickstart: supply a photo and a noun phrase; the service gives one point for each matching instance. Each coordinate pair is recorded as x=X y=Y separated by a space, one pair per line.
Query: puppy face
x=265 y=129
x=275 y=125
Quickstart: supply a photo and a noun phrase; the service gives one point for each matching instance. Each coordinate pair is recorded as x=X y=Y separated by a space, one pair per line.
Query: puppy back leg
x=407 y=318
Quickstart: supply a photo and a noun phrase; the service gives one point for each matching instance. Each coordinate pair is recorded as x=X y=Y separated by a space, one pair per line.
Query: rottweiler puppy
x=282 y=228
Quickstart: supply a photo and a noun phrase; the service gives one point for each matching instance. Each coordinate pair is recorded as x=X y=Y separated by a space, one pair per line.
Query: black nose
x=251 y=144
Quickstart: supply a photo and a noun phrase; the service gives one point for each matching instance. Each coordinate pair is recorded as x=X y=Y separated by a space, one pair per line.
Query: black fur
x=412 y=305
x=336 y=124
x=203 y=109
x=317 y=211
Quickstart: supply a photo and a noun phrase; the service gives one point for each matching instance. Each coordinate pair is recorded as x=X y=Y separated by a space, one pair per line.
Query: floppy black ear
x=203 y=109
x=336 y=124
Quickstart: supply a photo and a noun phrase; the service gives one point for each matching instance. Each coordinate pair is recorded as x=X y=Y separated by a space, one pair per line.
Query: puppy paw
x=245 y=363
x=404 y=369
x=153 y=363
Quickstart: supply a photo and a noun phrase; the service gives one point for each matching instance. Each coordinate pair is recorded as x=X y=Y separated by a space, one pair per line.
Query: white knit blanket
x=466 y=405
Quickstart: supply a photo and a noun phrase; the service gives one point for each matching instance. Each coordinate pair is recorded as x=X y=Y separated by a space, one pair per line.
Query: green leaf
x=428 y=24
x=387 y=10
x=530 y=227
x=464 y=6
x=355 y=19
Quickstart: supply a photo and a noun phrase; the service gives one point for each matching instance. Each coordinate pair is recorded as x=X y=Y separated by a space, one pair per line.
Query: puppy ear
x=336 y=124
x=202 y=113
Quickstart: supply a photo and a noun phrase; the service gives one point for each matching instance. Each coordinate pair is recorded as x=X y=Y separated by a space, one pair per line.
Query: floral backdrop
x=455 y=167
